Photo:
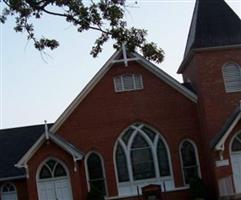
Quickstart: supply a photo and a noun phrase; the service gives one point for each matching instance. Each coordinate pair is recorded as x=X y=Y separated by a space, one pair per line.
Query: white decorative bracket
x=27 y=170
x=46 y=130
x=75 y=164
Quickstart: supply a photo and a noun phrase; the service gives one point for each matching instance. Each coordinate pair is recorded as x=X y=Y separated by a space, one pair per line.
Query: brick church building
x=133 y=125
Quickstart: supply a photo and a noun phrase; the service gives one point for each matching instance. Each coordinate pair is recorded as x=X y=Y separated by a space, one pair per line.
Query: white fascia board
x=75 y=154
x=12 y=178
x=166 y=78
x=84 y=92
x=21 y=163
x=140 y=59
x=220 y=144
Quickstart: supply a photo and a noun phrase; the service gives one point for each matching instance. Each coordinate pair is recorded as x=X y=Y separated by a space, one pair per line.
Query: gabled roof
x=14 y=143
x=117 y=58
x=55 y=138
x=218 y=141
x=213 y=24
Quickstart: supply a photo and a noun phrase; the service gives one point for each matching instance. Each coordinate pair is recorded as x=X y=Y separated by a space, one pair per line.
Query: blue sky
x=32 y=90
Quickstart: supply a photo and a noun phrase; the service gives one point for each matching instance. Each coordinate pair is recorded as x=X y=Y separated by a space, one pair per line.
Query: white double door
x=236 y=165
x=54 y=189
x=9 y=196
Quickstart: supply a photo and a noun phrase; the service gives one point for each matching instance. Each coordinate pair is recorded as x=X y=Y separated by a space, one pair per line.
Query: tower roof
x=213 y=24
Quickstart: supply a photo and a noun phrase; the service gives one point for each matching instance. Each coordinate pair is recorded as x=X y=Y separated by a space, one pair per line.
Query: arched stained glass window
x=141 y=154
x=96 y=173
x=141 y=159
x=121 y=164
x=189 y=161
x=162 y=156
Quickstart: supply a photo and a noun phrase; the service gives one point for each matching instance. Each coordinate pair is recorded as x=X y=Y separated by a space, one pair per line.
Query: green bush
x=197 y=188
x=94 y=195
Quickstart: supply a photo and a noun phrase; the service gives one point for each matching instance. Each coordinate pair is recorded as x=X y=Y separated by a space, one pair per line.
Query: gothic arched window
x=141 y=156
x=96 y=175
x=190 y=163
x=232 y=77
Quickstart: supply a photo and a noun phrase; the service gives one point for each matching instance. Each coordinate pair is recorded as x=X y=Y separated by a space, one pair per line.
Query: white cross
x=125 y=59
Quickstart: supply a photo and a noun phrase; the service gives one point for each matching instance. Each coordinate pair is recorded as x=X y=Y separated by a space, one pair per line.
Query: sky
x=33 y=90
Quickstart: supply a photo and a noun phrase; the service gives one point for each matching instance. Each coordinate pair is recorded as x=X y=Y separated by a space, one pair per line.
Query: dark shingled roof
x=14 y=143
x=213 y=24
x=225 y=127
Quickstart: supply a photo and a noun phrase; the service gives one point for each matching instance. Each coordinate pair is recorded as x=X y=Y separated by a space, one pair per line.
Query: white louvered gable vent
x=128 y=82
x=232 y=77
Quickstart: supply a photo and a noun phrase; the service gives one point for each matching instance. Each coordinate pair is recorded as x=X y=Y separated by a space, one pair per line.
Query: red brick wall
x=102 y=116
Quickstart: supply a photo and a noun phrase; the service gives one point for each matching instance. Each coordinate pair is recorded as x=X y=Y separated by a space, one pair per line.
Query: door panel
x=236 y=165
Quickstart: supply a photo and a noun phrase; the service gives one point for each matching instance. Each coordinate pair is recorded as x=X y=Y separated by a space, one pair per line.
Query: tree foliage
x=104 y=16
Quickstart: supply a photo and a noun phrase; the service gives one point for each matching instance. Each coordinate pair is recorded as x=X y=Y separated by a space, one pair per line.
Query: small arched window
x=8 y=192
x=96 y=175
x=53 y=181
x=232 y=77
x=190 y=163
x=52 y=169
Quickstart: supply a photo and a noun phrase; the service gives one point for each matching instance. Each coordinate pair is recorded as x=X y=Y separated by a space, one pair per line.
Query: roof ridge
x=23 y=127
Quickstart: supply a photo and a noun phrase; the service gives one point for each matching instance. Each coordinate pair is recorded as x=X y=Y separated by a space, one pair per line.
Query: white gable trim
x=28 y=155
x=166 y=78
x=136 y=57
x=220 y=145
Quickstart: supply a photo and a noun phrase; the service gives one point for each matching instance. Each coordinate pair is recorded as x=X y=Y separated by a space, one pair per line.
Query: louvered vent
x=128 y=82
x=232 y=77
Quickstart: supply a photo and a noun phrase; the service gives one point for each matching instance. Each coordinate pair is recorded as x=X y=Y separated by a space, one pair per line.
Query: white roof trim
x=28 y=155
x=140 y=59
x=220 y=145
x=12 y=178
x=166 y=78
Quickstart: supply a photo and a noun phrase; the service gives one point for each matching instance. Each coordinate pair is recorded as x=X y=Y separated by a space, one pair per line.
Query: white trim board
x=100 y=74
x=28 y=155
x=220 y=144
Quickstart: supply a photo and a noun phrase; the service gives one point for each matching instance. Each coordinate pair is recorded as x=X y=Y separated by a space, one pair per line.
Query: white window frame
x=133 y=184
x=226 y=79
x=13 y=192
x=196 y=155
x=87 y=171
x=122 y=87
x=38 y=180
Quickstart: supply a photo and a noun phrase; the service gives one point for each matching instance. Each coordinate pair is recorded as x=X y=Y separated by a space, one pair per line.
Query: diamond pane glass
x=94 y=167
x=151 y=134
x=59 y=171
x=188 y=154
x=127 y=135
x=51 y=164
x=236 y=145
x=121 y=165
x=139 y=142
x=163 y=161
x=45 y=173
x=141 y=159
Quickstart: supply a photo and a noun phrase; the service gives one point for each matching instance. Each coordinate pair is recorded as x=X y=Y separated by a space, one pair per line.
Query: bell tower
x=212 y=61
x=212 y=65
